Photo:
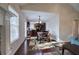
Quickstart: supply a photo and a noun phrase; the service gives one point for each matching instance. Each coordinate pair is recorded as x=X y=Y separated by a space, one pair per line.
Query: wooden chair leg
x=62 y=51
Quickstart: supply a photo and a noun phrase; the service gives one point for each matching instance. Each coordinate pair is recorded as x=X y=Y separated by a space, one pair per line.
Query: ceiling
x=75 y=6
x=33 y=16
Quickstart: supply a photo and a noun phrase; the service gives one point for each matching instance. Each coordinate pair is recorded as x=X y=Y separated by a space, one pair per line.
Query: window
x=14 y=28
x=14 y=24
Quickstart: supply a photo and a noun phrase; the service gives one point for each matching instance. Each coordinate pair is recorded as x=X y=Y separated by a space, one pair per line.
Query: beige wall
x=66 y=14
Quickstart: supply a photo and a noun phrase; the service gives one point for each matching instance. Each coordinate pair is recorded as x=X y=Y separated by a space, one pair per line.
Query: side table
x=59 y=45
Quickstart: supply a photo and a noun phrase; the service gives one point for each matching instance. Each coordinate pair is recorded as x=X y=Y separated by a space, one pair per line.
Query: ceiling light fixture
x=39 y=21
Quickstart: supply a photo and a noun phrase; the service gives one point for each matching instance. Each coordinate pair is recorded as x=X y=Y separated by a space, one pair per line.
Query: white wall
x=52 y=24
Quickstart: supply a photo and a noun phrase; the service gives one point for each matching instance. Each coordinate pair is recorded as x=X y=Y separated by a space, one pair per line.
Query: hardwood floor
x=22 y=49
x=25 y=49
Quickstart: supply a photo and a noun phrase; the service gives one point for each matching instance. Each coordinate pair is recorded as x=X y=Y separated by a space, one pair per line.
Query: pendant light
x=39 y=20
